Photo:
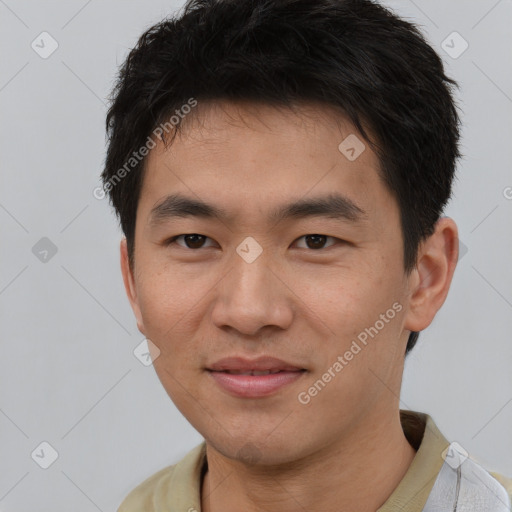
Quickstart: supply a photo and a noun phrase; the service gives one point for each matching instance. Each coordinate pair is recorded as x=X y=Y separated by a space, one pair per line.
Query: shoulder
x=171 y=488
x=505 y=481
x=143 y=496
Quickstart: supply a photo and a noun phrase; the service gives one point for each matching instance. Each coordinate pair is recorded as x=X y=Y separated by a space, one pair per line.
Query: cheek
x=165 y=294
x=343 y=299
x=167 y=313
x=171 y=323
x=364 y=306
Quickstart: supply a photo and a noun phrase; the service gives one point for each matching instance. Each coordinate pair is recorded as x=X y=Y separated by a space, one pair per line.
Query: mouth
x=254 y=372
x=255 y=378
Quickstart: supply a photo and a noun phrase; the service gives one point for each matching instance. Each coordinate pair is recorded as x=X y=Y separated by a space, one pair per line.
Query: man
x=280 y=169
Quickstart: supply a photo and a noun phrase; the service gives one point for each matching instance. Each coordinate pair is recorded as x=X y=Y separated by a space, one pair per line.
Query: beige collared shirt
x=177 y=488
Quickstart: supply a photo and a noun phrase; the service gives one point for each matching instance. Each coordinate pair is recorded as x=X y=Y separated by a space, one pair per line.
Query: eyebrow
x=334 y=206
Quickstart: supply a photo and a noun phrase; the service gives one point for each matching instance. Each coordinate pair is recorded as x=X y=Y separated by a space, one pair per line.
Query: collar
x=181 y=488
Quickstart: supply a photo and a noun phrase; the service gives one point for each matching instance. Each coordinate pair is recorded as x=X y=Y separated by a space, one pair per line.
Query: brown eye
x=316 y=242
x=194 y=241
x=189 y=241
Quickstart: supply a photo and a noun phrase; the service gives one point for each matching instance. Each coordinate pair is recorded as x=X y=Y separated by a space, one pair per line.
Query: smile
x=254 y=383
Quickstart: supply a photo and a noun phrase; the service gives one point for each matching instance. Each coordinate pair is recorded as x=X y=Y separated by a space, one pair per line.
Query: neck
x=358 y=472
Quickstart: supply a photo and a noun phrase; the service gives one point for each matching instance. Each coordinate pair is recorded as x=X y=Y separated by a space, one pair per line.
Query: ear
x=129 y=285
x=430 y=281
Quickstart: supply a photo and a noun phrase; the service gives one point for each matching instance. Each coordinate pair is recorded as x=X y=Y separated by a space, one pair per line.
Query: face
x=250 y=276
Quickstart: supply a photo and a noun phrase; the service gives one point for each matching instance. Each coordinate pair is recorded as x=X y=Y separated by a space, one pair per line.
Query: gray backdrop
x=69 y=376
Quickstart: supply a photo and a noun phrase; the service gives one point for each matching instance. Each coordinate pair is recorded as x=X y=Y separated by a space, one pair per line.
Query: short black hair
x=356 y=56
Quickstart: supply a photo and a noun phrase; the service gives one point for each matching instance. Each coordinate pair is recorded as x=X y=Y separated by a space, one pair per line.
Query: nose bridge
x=251 y=261
x=250 y=296
x=252 y=278
x=250 y=285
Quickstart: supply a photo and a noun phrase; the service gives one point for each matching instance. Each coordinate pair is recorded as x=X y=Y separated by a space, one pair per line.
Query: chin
x=258 y=453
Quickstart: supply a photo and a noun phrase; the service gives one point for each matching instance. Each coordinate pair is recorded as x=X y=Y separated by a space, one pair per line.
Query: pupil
x=318 y=241
x=194 y=244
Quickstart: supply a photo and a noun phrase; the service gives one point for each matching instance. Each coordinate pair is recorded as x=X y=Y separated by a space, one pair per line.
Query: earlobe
x=432 y=277
x=129 y=285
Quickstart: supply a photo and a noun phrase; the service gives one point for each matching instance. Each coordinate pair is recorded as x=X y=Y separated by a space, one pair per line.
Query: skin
x=301 y=304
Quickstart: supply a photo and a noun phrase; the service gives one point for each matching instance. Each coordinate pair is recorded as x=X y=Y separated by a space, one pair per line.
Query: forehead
x=246 y=156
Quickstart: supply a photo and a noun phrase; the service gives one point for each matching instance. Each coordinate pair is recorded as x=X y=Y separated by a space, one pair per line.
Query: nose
x=252 y=296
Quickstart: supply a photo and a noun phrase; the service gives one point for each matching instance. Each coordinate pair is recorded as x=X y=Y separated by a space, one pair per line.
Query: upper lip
x=258 y=364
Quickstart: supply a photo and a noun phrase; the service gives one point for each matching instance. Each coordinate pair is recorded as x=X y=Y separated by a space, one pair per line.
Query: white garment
x=464 y=486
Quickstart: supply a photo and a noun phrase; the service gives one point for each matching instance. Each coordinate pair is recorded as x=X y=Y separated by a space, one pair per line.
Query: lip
x=254 y=386
x=258 y=364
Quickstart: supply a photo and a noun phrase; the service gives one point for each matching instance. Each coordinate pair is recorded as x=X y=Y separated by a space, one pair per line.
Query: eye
x=197 y=241
x=191 y=241
x=317 y=242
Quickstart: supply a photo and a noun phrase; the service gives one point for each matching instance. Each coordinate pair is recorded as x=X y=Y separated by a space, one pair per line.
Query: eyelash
x=172 y=241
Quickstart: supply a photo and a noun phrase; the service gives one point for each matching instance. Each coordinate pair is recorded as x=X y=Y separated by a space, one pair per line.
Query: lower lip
x=254 y=386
